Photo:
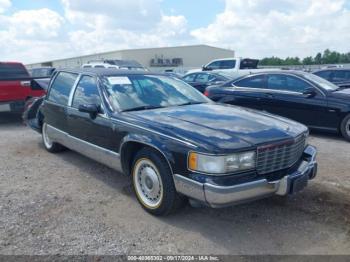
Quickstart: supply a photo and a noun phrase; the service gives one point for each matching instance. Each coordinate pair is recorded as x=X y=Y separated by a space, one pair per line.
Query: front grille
x=278 y=156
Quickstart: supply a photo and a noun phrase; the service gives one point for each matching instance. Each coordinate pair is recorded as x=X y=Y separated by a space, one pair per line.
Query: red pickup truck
x=15 y=87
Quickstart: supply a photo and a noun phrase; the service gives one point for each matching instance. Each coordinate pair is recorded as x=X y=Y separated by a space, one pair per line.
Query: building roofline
x=124 y=50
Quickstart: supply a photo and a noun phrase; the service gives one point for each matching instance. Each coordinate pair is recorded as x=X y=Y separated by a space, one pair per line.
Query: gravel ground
x=68 y=204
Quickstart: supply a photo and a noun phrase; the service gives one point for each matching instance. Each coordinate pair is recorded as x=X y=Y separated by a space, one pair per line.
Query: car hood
x=342 y=93
x=219 y=127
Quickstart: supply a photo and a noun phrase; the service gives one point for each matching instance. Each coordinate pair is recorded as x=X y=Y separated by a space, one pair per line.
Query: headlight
x=221 y=164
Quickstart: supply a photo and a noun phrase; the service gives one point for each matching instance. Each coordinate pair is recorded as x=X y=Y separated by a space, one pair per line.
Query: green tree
x=318 y=59
x=328 y=57
x=308 y=60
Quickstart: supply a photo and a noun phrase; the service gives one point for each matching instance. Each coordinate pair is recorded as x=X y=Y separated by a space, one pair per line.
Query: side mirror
x=310 y=92
x=91 y=109
x=204 y=68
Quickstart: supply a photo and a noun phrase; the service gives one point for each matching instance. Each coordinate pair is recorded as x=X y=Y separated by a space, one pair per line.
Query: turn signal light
x=192 y=161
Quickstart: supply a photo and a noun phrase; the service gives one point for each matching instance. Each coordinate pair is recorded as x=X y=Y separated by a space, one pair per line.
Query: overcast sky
x=39 y=30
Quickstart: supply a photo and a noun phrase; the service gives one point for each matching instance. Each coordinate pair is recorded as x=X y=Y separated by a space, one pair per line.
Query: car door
x=56 y=102
x=248 y=92
x=90 y=130
x=286 y=97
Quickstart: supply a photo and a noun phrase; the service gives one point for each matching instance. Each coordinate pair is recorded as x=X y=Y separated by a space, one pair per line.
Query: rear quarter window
x=61 y=88
x=12 y=71
x=252 y=82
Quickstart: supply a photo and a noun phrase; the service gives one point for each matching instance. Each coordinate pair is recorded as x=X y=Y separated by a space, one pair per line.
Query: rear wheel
x=345 y=127
x=153 y=183
x=50 y=145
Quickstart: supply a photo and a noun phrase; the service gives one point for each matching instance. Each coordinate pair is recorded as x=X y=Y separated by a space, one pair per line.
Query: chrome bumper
x=218 y=196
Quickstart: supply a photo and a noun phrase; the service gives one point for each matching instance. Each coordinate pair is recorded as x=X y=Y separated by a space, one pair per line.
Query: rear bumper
x=219 y=196
x=14 y=106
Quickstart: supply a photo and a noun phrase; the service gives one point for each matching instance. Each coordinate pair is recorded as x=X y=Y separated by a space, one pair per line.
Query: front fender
x=155 y=142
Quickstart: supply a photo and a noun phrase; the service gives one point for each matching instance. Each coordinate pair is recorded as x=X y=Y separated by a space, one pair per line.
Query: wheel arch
x=131 y=145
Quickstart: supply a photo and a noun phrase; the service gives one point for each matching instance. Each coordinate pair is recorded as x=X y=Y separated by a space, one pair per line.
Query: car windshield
x=321 y=82
x=138 y=92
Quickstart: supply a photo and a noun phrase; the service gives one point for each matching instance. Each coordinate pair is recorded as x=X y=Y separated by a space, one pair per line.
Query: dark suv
x=172 y=140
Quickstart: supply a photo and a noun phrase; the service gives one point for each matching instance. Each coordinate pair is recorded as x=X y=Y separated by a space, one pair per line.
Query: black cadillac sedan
x=300 y=96
x=201 y=80
x=171 y=140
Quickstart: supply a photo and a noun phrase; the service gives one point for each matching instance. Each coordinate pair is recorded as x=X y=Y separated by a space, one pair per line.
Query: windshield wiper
x=191 y=103
x=138 y=108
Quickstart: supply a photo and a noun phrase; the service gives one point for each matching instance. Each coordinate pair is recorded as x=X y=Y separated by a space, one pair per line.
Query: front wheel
x=345 y=128
x=49 y=145
x=153 y=183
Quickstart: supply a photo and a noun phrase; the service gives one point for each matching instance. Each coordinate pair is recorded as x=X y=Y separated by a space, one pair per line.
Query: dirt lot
x=69 y=204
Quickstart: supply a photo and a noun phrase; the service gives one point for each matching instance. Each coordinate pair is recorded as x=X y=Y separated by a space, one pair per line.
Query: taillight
x=206 y=93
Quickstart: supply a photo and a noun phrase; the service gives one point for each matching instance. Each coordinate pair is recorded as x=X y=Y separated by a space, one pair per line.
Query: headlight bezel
x=220 y=157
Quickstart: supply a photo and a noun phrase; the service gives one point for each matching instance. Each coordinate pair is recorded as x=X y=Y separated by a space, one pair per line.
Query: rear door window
x=86 y=93
x=252 y=82
x=227 y=64
x=287 y=83
x=203 y=78
x=61 y=88
x=341 y=75
x=13 y=71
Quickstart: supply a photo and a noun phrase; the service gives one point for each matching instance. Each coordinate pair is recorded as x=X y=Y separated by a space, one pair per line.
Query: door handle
x=269 y=95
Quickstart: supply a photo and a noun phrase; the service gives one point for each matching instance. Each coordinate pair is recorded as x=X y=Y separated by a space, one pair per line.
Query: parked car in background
x=117 y=64
x=235 y=67
x=298 y=95
x=173 y=141
x=99 y=65
x=173 y=74
x=201 y=80
x=41 y=77
x=16 y=87
x=338 y=76
x=231 y=64
x=42 y=72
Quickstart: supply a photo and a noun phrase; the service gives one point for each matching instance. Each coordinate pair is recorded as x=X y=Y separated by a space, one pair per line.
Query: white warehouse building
x=179 y=58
